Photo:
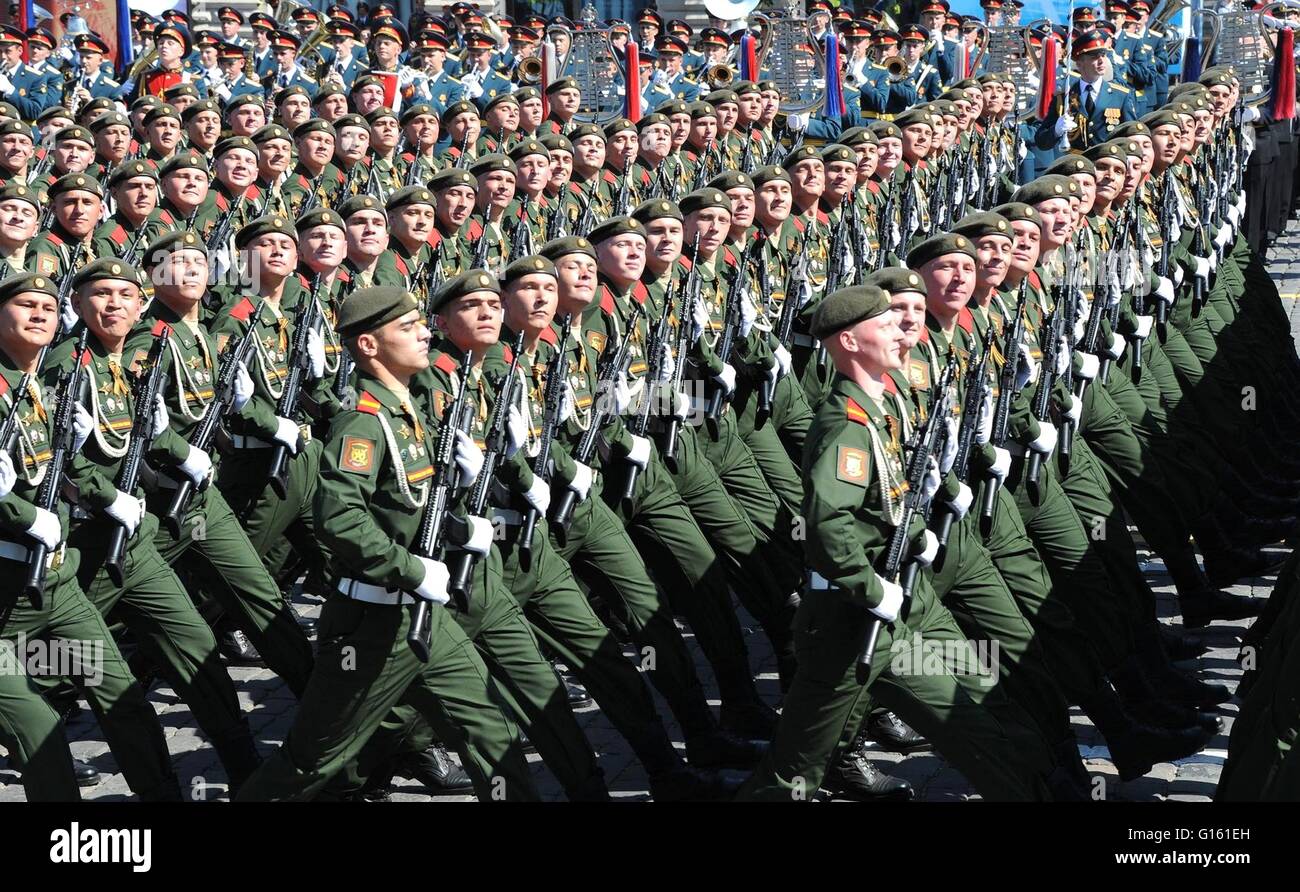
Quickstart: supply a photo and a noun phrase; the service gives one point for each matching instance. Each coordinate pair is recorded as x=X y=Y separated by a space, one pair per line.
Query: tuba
x=795 y=58
x=1246 y=40
x=595 y=67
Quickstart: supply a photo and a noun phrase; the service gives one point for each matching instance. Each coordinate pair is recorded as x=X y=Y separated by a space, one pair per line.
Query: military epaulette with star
x=854 y=412
x=367 y=403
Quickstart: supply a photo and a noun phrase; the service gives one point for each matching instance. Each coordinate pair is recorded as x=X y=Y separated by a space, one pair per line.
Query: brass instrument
x=592 y=58
x=141 y=64
x=897 y=67
x=795 y=58
x=528 y=71
x=719 y=76
x=1246 y=40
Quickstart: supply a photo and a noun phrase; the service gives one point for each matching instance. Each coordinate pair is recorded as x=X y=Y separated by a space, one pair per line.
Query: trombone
x=719 y=76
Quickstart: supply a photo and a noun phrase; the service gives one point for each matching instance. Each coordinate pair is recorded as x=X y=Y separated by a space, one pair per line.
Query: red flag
x=388 y=79
x=632 y=81
x=1283 y=93
x=1047 y=77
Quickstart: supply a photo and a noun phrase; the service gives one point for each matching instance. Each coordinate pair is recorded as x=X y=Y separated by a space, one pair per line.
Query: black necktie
x=1090 y=100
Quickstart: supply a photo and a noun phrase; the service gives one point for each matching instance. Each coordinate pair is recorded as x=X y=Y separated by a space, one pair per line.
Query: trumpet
x=898 y=68
x=528 y=71
x=719 y=76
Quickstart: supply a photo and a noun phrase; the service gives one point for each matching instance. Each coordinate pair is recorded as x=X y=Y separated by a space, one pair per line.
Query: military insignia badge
x=47 y=264
x=597 y=341
x=851 y=466
x=358 y=455
x=918 y=374
x=1112 y=116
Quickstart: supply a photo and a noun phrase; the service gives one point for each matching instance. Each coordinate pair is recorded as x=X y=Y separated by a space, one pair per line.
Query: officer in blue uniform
x=344 y=63
x=924 y=76
x=233 y=59
x=480 y=78
x=40 y=58
x=289 y=73
x=671 y=49
x=93 y=51
x=230 y=20
x=263 y=52
x=443 y=88
x=1094 y=107
x=941 y=52
x=20 y=85
x=882 y=95
x=1140 y=69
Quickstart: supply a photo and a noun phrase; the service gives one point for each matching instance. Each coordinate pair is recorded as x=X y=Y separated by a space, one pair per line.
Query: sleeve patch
x=46 y=264
x=357 y=455
x=851 y=465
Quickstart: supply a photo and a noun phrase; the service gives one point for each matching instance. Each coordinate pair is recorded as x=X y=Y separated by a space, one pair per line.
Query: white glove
x=126 y=510
x=69 y=316
x=890 y=602
x=1144 y=324
x=433 y=587
x=659 y=78
x=1115 y=349
x=1062 y=357
x=1165 y=290
x=1223 y=237
x=1234 y=215
x=984 y=424
x=405 y=77
x=1024 y=151
x=243 y=387
x=1046 y=441
x=960 y=504
x=83 y=423
x=1026 y=370
x=797 y=121
x=929 y=548
x=286 y=432
x=806 y=292
x=1001 y=463
x=223 y=90
x=1075 y=412
x=1212 y=260
x=727 y=377
x=1080 y=328
x=748 y=313
x=783 y=359
x=681 y=406
x=46 y=529
x=1247 y=114
x=516 y=430
x=538 y=496
x=622 y=392
x=1064 y=125
x=468 y=458
x=1089 y=365
x=1178 y=276
x=666 y=369
x=6 y=85
x=949 y=445
x=1202 y=271
x=930 y=483
x=480 y=535
x=160 y=416
x=640 y=452
x=316 y=353
x=473 y=89
x=8 y=475
x=197 y=466
x=567 y=403
x=699 y=319
x=580 y=485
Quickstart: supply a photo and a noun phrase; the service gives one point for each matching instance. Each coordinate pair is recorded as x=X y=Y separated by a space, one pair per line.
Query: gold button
x=115 y=269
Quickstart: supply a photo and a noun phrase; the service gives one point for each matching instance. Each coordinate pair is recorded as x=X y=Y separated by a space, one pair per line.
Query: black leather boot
x=893 y=734
x=852 y=776
x=236 y=648
x=435 y=769
x=85 y=773
x=1201 y=608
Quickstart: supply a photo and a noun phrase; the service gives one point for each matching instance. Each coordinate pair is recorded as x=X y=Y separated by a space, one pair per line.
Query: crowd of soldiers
x=356 y=312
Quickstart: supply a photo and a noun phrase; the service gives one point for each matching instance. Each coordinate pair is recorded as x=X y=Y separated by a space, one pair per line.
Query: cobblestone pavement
x=270 y=705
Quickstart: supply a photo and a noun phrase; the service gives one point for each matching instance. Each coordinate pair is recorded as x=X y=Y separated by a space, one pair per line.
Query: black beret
x=327 y=90
x=161 y=111
x=652 y=119
x=618 y=125
x=244 y=99
x=454 y=176
x=358 y=203
x=799 y=155
x=770 y=174
x=525 y=148
x=1130 y=129
x=1045 y=188
x=234 y=142
x=183 y=161
x=838 y=152
x=488 y=163
x=938 y=246
x=264 y=226
x=561 y=84
x=699 y=110
x=582 y=130
x=523 y=94
x=456 y=109
x=1018 y=210
x=1112 y=150
x=570 y=244
x=290 y=92
x=380 y=113
x=14 y=191
x=718 y=97
x=318 y=217
x=80 y=134
x=615 y=226
x=467 y=282
x=846 y=307
x=914 y=115
x=193 y=110
x=703 y=199
x=554 y=142
x=315 y=125
x=1069 y=165
x=270 y=132
x=369 y=308
x=656 y=209
x=410 y=113
x=351 y=120
x=885 y=130
x=1160 y=118
x=499 y=99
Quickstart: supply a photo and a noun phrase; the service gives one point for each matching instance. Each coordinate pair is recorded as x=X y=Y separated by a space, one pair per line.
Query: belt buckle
x=304 y=430
x=56 y=558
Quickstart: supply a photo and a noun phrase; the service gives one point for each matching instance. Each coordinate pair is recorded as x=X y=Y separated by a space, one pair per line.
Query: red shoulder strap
x=401 y=265
x=1035 y=280
x=367 y=403
x=221 y=203
x=118 y=235
x=854 y=412
x=507 y=354
x=890 y=385
x=640 y=292
x=606 y=299
x=159 y=327
x=242 y=310
x=966 y=320
x=548 y=335
x=53 y=239
x=445 y=363
x=475 y=229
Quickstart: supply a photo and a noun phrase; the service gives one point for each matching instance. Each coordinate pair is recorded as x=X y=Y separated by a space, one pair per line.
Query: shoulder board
x=242 y=310
x=1035 y=280
x=728 y=257
x=118 y=236
x=549 y=336
x=966 y=320
x=401 y=265
x=855 y=412
x=85 y=358
x=342 y=275
x=166 y=217
x=367 y=403
x=925 y=336
x=475 y=229
x=609 y=176
x=53 y=239
x=685 y=263
x=640 y=292
x=507 y=355
x=606 y=299
x=304 y=182
x=445 y=363
x=873 y=187
x=305 y=282
x=221 y=203
x=4 y=386
x=1118 y=87
x=159 y=327
x=799 y=224
x=408 y=157
x=891 y=386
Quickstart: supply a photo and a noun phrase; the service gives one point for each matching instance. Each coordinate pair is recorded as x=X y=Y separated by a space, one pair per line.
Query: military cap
x=1112 y=149
x=487 y=103
x=326 y=91
x=369 y=308
x=109 y=120
x=522 y=150
x=982 y=223
x=19 y=192
x=1130 y=129
x=193 y=110
x=1213 y=77
x=74 y=133
x=938 y=246
x=582 y=130
x=769 y=174
x=742 y=88
x=803 y=153
x=1018 y=210
x=838 y=152
x=718 y=97
x=374 y=117
x=233 y=142
x=896 y=280
x=1179 y=91
x=415 y=194
x=488 y=163
x=554 y=142
x=945 y=107
x=351 y=120
x=95 y=107
x=988 y=77
x=75 y=182
x=853 y=136
x=846 y=307
x=912 y=117
x=523 y=94
x=106 y=268
x=366 y=80
x=561 y=84
x=315 y=125
x=161 y=111
x=1161 y=118
x=25 y=282
x=129 y=170
x=617 y=226
x=704 y=199
x=657 y=209
x=146 y=101
x=183 y=161
x=563 y=247
x=1045 y=188
x=57 y=111
x=651 y=119
x=885 y=130
x=966 y=84
x=285 y=40
x=1088 y=42
x=699 y=110
x=674 y=107
x=318 y=216
x=358 y=203
x=244 y=99
x=468 y=282
x=527 y=266
x=732 y=179
x=7 y=110
x=290 y=91
x=456 y=109
x=618 y=125
x=269 y=132
x=176 y=91
x=446 y=179
x=171 y=242
x=1180 y=107
x=268 y=225
x=414 y=111
x=1069 y=165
